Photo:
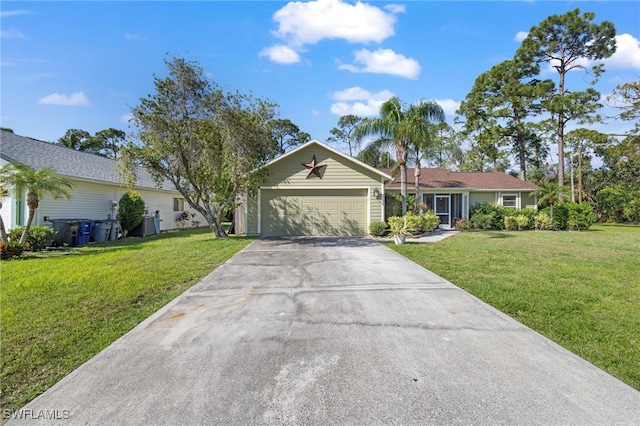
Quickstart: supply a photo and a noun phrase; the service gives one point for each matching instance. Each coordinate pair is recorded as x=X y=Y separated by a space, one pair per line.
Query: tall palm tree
x=401 y=128
x=36 y=183
x=3 y=230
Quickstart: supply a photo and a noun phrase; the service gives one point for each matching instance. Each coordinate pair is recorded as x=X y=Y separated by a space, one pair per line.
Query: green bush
x=37 y=239
x=429 y=221
x=496 y=212
x=561 y=216
x=483 y=220
x=463 y=224
x=510 y=223
x=581 y=216
x=377 y=228
x=414 y=222
x=399 y=225
x=524 y=222
x=130 y=210
x=11 y=249
x=544 y=221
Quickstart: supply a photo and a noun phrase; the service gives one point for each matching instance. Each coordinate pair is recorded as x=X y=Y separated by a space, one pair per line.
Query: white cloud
x=76 y=99
x=627 y=54
x=281 y=54
x=9 y=13
x=131 y=36
x=396 y=8
x=309 y=22
x=520 y=35
x=383 y=61
x=366 y=103
x=126 y=118
x=315 y=112
x=449 y=106
x=11 y=34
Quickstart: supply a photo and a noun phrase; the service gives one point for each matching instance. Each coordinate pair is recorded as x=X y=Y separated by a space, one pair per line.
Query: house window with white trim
x=178 y=204
x=509 y=200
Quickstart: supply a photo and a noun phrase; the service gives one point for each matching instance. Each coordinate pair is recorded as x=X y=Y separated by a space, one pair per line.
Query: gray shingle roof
x=66 y=161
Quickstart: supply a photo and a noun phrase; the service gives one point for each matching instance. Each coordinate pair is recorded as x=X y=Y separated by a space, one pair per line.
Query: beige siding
x=252 y=216
x=528 y=201
x=481 y=197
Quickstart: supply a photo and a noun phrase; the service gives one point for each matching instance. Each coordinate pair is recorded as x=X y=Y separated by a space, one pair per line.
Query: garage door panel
x=313 y=212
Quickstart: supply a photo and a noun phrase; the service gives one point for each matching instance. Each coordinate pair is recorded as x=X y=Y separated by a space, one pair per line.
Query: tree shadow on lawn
x=499 y=234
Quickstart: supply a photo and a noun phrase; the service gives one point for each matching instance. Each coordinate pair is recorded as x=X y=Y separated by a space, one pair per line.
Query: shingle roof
x=65 y=161
x=441 y=178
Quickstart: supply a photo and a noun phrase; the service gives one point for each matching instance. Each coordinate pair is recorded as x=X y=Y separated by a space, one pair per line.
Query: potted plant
x=399 y=229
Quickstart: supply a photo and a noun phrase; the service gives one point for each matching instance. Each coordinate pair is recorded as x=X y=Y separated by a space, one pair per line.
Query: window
x=178 y=204
x=509 y=200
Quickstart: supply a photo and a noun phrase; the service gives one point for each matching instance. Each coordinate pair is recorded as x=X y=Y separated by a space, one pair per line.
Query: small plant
x=399 y=228
x=11 y=250
x=414 y=222
x=510 y=223
x=429 y=221
x=182 y=218
x=377 y=228
x=37 y=238
x=483 y=221
x=523 y=222
x=463 y=225
x=544 y=221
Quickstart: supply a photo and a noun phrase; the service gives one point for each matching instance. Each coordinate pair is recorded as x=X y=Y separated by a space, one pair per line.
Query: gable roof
x=379 y=172
x=438 y=178
x=66 y=161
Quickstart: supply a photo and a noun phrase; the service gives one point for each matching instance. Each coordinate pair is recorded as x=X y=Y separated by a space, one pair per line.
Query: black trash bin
x=66 y=231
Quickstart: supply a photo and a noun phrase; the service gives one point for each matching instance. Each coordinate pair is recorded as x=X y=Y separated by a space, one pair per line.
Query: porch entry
x=448 y=207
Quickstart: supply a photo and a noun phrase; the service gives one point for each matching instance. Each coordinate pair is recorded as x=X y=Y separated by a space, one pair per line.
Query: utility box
x=145 y=228
x=101 y=231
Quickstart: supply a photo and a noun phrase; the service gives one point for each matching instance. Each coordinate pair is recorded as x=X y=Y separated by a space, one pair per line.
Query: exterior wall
x=339 y=173
x=529 y=201
x=93 y=200
x=482 y=197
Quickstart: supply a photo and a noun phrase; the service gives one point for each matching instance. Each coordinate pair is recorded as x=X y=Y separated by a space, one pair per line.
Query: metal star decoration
x=314 y=167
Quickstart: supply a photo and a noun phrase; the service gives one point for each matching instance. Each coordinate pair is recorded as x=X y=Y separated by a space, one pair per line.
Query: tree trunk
x=401 y=155
x=32 y=202
x=3 y=230
x=579 y=175
x=417 y=209
x=561 y=140
x=216 y=226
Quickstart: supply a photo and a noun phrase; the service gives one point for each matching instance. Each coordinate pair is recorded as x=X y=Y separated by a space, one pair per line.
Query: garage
x=316 y=212
x=313 y=190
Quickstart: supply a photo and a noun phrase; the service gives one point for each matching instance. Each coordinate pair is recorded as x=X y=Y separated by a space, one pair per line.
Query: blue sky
x=85 y=64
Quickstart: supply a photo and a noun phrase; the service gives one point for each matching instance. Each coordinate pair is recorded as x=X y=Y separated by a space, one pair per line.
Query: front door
x=443 y=209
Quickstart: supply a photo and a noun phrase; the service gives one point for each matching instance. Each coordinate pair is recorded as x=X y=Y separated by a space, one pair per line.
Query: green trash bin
x=101 y=231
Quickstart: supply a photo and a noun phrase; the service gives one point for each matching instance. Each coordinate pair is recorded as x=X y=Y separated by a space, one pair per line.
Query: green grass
x=580 y=289
x=60 y=309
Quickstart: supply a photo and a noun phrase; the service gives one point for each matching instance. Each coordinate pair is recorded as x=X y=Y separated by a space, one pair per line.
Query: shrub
x=463 y=225
x=10 y=250
x=414 y=222
x=399 y=226
x=510 y=223
x=581 y=216
x=524 y=222
x=544 y=221
x=561 y=216
x=483 y=221
x=496 y=212
x=429 y=221
x=130 y=210
x=37 y=239
x=377 y=228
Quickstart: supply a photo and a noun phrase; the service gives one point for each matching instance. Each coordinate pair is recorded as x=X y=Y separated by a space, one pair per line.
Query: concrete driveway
x=333 y=331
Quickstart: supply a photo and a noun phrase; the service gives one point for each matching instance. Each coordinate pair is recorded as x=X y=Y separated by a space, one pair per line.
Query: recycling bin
x=101 y=230
x=84 y=231
x=66 y=231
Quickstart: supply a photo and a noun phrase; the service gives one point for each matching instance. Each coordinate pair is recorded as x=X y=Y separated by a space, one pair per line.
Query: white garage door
x=340 y=212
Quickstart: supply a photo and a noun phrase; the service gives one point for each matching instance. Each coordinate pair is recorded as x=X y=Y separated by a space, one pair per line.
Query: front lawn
x=580 y=289
x=60 y=309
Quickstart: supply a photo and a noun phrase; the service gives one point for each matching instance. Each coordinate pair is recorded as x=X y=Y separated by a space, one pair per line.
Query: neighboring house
x=452 y=194
x=314 y=190
x=96 y=188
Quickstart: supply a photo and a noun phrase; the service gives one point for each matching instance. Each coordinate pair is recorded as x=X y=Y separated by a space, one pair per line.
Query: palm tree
x=401 y=128
x=548 y=193
x=3 y=230
x=36 y=183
